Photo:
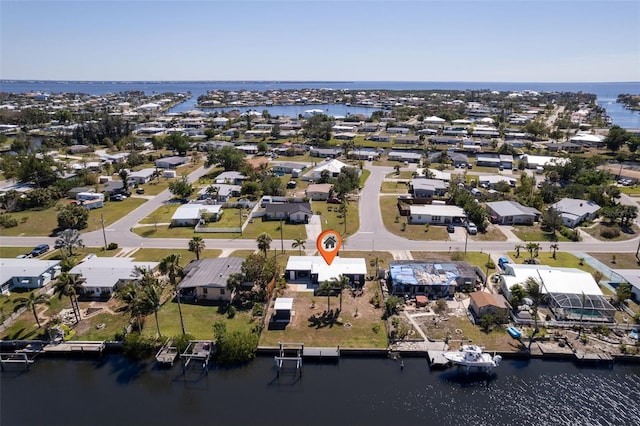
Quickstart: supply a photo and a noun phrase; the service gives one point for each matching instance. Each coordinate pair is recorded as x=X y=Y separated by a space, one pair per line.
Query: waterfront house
x=575 y=211
x=27 y=273
x=314 y=270
x=512 y=212
x=431 y=279
x=206 y=279
x=482 y=303
x=435 y=214
x=102 y=276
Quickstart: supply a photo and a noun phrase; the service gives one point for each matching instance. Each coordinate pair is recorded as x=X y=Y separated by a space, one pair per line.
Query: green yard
x=394 y=188
x=161 y=214
x=562 y=260
x=394 y=224
x=622 y=260
x=156 y=255
x=11 y=252
x=332 y=219
x=597 y=230
x=404 y=174
x=535 y=233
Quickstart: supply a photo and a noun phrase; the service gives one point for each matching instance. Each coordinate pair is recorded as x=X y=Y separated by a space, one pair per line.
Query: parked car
x=472 y=229
x=23 y=256
x=333 y=200
x=40 y=249
x=451 y=229
x=118 y=197
x=502 y=262
x=140 y=191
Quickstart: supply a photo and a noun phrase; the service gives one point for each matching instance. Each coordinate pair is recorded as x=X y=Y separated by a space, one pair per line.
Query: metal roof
x=210 y=272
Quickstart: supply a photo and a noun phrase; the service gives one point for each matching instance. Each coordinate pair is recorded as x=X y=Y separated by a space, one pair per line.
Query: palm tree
x=518 y=247
x=149 y=300
x=171 y=267
x=129 y=296
x=264 y=243
x=533 y=249
x=31 y=302
x=299 y=244
x=554 y=247
x=341 y=282
x=534 y=290
x=69 y=239
x=583 y=299
x=234 y=283
x=196 y=245
x=68 y=285
x=327 y=286
x=213 y=191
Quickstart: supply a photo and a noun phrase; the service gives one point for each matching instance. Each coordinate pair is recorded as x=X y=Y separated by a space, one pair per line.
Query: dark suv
x=40 y=249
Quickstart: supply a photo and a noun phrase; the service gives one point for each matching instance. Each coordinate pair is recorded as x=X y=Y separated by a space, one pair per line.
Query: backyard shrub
x=236 y=347
x=112 y=246
x=571 y=234
x=7 y=221
x=610 y=232
x=137 y=347
x=457 y=255
x=257 y=310
x=182 y=341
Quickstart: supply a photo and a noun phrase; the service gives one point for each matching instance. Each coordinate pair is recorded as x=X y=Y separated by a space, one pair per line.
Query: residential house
x=289 y=212
x=141 y=176
x=206 y=279
x=102 y=276
x=171 y=162
x=223 y=194
x=113 y=187
x=287 y=167
x=325 y=152
x=398 y=130
x=333 y=167
x=564 y=146
x=231 y=178
x=407 y=140
x=490 y=181
x=436 y=214
x=440 y=140
x=574 y=211
x=319 y=191
x=191 y=214
x=364 y=154
x=410 y=157
x=73 y=192
x=379 y=138
x=432 y=279
x=457 y=158
x=427 y=188
x=512 y=212
x=314 y=269
x=27 y=273
x=482 y=303
x=631 y=276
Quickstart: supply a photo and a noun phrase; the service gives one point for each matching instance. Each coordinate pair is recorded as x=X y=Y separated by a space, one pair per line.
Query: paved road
x=372 y=234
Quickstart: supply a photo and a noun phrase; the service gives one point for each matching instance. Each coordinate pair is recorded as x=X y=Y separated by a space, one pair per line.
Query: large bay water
x=605 y=92
x=353 y=391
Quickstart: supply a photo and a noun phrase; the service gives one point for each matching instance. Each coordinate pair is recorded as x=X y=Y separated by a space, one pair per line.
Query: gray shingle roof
x=210 y=272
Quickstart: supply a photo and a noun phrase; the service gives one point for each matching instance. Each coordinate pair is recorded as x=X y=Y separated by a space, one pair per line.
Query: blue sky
x=505 y=40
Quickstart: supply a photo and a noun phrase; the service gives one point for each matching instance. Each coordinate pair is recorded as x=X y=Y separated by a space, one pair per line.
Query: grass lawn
x=535 y=233
x=630 y=190
x=394 y=188
x=11 y=252
x=243 y=253
x=389 y=212
x=364 y=176
x=25 y=326
x=404 y=174
x=113 y=324
x=155 y=187
x=112 y=212
x=595 y=231
x=161 y=214
x=562 y=260
x=311 y=325
x=623 y=260
x=198 y=320
x=156 y=255
x=332 y=219
x=492 y=234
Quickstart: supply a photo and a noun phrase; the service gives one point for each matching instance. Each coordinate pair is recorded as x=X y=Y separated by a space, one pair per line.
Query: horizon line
x=305 y=81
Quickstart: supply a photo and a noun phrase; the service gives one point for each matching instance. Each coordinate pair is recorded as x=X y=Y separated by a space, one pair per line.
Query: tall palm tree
x=327 y=286
x=555 y=248
x=583 y=299
x=128 y=294
x=196 y=245
x=69 y=285
x=171 y=267
x=518 y=247
x=533 y=249
x=149 y=300
x=534 y=290
x=32 y=302
x=341 y=282
x=264 y=243
x=299 y=244
x=69 y=239
x=234 y=283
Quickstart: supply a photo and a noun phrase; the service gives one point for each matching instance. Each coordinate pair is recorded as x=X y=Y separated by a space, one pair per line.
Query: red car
x=334 y=200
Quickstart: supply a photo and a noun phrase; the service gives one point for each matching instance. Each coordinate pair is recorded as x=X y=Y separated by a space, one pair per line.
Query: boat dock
x=198 y=350
x=331 y=353
x=15 y=358
x=79 y=347
x=437 y=360
x=167 y=354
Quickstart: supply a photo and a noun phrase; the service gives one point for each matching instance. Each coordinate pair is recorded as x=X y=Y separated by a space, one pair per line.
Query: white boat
x=473 y=356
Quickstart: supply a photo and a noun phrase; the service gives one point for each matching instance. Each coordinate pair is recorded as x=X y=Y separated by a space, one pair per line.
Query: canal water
x=352 y=391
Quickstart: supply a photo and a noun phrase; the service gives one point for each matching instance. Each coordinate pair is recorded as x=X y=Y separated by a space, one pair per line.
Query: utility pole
x=104 y=234
x=281 y=239
x=466 y=237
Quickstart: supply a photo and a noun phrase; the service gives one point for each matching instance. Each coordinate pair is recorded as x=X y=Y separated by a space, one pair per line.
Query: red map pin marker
x=328 y=244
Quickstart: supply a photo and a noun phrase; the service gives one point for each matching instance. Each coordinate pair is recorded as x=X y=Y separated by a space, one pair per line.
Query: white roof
x=576 y=206
x=144 y=173
x=283 y=304
x=555 y=280
x=317 y=265
x=10 y=268
x=192 y=211
x=543 y=160
x=437 y=210
x=107 y=271
x=582 y=137
x=333 y=166
x=434 y=119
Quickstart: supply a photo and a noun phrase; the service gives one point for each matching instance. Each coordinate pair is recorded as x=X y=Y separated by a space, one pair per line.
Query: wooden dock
x=332 y=353
x=74 y=347
x=15 y=358
x=167 y=354
x=437 y=360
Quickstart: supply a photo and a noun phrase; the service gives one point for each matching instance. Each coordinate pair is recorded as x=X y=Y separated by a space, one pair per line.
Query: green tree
x=196 y=245
x=69 y=239
x=258 y=269
x=552 y=220
x=178 y=142
x=128 y=295
x=318 y=127
x=264 y=243
x=181 y=188
x=73 y=216
x=486 y=321
x=340 y=283
x=299 y=244
x=32 y=302
x=518 y=247
x=533 y=249
x=41 y=171
x=517 y=294
x=234 y=284
x=623 y=292
x=326 y=286
x=272 y=185
x=262 y=147
x=534 y=290
x=69 y=285
x=555 y=248
x=227 y=157
x=616 y=138
x=150 y=298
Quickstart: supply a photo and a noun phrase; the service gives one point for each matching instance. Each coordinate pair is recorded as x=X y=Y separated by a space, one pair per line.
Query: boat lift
x=198 y=350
